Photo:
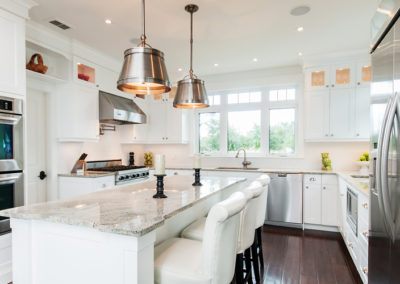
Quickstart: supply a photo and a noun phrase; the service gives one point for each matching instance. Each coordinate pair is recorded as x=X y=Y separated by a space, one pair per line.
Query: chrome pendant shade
x=191 y=92
x=144 y=71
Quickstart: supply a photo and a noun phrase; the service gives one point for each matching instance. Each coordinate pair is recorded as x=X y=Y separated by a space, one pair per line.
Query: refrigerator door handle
x=377 y=173
x=393 y=114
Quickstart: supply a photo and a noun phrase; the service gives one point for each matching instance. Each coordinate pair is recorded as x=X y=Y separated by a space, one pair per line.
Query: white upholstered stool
x=195 y=231
x=184 y=261
x=256 y=248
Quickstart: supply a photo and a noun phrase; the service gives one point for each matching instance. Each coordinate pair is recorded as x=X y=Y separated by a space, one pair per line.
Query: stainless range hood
x=119 y=110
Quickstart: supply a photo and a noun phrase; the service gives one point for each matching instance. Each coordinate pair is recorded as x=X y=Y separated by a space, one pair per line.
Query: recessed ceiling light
x=216 y=64
x=300 y=10
x=108 y=21
x=300 y=29
x=180 y=69
x=255 y=59
x=300 y=54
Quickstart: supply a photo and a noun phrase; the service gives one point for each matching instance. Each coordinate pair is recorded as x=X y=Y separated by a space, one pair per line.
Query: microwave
x=352 y=210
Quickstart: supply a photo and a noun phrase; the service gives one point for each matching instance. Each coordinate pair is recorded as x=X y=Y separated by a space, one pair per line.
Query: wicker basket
x=37 y=67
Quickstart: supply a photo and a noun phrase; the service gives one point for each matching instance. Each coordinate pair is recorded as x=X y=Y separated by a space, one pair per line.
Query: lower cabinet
x=5 y=259
x=75 y=186
x=320 y=199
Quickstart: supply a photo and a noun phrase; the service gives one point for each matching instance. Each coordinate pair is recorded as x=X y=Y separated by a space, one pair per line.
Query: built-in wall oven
x=352 y=210
x=11 y=158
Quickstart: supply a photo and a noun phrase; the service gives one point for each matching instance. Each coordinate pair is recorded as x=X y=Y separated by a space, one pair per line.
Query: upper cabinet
x=12 y=54
x=337 y=102
x=84 y=72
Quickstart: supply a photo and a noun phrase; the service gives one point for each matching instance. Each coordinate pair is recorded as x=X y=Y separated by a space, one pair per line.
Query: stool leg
x=239 y=269
x=254 y=258
x=247 y=257
x=260 y=250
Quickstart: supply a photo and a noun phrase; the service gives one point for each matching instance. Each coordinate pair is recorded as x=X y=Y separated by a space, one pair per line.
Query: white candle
x=159 y=165
x=197 y=161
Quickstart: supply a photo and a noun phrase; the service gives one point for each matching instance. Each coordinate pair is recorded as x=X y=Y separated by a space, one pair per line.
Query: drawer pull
x=365 y=270
x=103 y=185
x=351 y=244
x=365 y=234
x=312 y=179
x=365 y=205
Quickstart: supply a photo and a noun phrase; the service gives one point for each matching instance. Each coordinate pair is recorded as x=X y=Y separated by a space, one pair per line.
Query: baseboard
x=321 y=228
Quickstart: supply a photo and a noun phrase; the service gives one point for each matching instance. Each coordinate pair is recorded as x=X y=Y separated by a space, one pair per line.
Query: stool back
x=248 y=216
x=262 y=200
x=220 y=238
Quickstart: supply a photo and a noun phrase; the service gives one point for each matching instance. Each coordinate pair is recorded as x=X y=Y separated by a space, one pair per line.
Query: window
x=282 y=131
x=263 y=121
x=244 y=130
x=209 y=132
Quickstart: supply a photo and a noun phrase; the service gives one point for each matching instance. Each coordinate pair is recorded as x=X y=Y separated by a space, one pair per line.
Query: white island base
x=109 y=236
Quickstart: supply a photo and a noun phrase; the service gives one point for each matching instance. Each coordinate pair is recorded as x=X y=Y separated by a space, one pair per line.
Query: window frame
x=264 y=107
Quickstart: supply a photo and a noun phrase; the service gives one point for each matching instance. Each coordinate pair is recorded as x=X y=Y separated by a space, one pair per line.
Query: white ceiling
x=228 y=32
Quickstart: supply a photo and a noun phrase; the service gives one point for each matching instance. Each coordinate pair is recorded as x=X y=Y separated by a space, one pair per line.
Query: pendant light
x=191 y=92
x=144 y=71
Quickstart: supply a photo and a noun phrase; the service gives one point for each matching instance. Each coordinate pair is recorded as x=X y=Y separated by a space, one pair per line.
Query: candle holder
x=160 y=187
x=197 y=178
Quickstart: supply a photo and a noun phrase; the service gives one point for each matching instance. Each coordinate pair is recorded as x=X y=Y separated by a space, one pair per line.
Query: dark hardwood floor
x=297 y=256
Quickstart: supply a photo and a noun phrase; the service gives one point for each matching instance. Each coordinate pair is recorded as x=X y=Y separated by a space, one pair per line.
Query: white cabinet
x=12 y=54
x=340 y=113
x=75 y=186
x=317 y=78
x=135 y=133
x=361 y=113
x=317 y=114
x=320 y=199
x=77 y=113
x=5 y=259
x=312 y=204
x=363 y=73
x=165 y=124
x=342 y=75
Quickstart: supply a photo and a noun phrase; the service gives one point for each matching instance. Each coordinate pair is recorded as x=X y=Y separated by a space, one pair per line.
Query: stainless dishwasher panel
x=285 y=199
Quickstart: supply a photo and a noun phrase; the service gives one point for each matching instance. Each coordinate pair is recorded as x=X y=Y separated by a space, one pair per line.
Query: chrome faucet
x=245 y=163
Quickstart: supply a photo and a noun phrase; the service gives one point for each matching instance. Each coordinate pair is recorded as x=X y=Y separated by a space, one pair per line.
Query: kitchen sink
x=360 y=176
x=237 y=168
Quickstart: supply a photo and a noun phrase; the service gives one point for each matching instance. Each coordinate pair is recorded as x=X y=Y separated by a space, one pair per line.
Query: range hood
x=119 y=110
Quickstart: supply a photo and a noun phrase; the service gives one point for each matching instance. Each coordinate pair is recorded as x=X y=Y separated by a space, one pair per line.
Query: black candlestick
x=160 y=187
x=197 y=178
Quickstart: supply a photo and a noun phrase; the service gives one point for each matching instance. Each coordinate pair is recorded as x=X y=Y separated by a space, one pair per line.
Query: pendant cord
x=191 y=45
x=143 y=37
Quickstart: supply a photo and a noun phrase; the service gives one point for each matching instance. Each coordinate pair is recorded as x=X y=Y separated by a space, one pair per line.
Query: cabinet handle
x=175 y=173
x=358 y=134
x=327 y=86
x=365 y=270
x=332 y=85
x=365 y=234
x=103 y=185
x=358 y=83
x=306 y=187
x=312 y=179
x=166 y=138
x=365 y=205
x=332 y=134
x=324 y=187
x=327 y=134
x=351 y=244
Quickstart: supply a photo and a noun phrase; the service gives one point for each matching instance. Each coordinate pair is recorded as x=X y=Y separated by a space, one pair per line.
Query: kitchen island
x=107 y=236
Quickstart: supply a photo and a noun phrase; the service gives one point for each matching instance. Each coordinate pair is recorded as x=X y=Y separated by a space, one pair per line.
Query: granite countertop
x=128 y=210
x=361 y=183
x=88 y=174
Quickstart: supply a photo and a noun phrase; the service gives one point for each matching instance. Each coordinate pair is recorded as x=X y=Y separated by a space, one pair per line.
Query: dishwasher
x=285 y=200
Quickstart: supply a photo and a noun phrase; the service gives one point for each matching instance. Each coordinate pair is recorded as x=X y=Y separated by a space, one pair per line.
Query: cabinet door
x=176 y=124
x=342 y=76
x=312 y=204
x=329 y=214
x=140 y=130
x=156 y=121
x=362 y=106
x=87 y=106
x=317 y=78
x=364 y=74
x=317 y=115
x=12 y=54
x=340 y=114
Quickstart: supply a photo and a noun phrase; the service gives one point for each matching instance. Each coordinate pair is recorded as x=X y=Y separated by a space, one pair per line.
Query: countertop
x=88 y=174
x=128 y=210
x=360 y=183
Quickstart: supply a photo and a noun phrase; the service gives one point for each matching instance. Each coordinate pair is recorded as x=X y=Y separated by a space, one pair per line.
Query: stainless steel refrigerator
x=384 y=231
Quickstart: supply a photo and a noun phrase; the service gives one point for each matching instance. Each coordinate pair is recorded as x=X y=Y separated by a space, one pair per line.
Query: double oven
x=11 y=157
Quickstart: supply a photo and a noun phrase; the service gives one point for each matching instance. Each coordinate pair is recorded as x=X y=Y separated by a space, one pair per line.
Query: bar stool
x=195 y=231
x=256 y=248
x=184 y=261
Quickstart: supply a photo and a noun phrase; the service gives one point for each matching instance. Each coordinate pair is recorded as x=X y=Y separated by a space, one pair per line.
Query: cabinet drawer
x=352 y=244
x=363 y=267
x=363 y=208
x=329 y=179
x=104 y=183
x=363 y=235
x=312 y=179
